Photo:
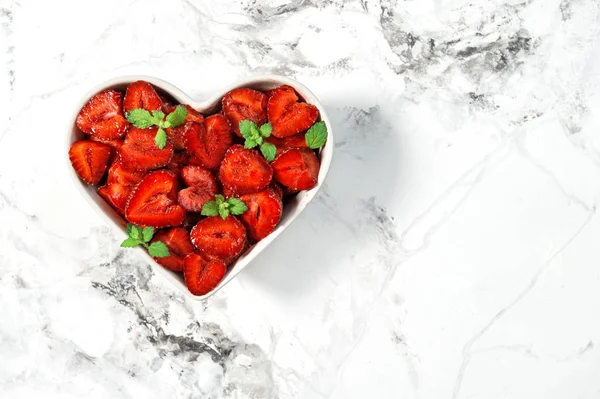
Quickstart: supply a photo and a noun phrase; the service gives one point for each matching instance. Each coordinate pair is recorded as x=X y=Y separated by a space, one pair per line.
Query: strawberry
x=154 y=201
x=115 y=145
x=218 y=237
x=102 y=116
x=287 y=115
x=277 y=189
x=263 y=214
x=295 y=141
x=207 y=142
x=179 y=160
x=177 y=134
x=89 y=159
x=193 y=198
x=140 y=152
x=197 y=176
x=125 y=176
x=191 y=219
x=177 y=240
x=244 y=171
x=116 y=195
x=202 y=275
x=141 y=94
x=244 y=104
x=296 y=168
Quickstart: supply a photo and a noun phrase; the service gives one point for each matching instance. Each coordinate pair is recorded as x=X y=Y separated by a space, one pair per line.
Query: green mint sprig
x=222 y=207
x=255 y=136
x=143 y=119
x=142 y=236
x=316 y=136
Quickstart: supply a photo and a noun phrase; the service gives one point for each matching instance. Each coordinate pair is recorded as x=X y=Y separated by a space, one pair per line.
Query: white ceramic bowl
x=293 y=208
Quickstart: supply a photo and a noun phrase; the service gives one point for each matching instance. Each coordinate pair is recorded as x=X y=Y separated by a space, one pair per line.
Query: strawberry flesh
x=140 y=152
x=89 y=159
x=218 y=237
x=244 y=171
x=202 y=275
x=177 y=134
x=102 y=116
x=154 y=201
x=296 y=168
x=178 y=241
x=208 y=142
x=141 y=94
x=288 y=116
x=245 y=104
x=193 y=198
x=263 y=214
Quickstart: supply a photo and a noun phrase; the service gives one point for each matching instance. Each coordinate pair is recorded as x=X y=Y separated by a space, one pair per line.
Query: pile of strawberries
x=192 y=188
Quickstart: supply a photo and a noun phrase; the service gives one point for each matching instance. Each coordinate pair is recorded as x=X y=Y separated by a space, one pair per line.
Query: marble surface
x=454 y=252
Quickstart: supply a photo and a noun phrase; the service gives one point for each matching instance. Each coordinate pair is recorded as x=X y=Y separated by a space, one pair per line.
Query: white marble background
x=454 y=253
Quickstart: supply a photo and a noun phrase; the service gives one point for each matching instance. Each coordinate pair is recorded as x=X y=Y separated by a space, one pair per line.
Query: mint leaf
x=224 y=211
x=265 y=130
x=211 y=208
x=268 y=150
x=158 y=250
x=250 y=143
x=177 y=117
x=134 y=231
x=147 y=233
x=130 y=243
x=157 y=117
x=219 y=199
x=236 y=206
x=140 y=118
x=246 y=128
x=161 y=138
x=316 y=135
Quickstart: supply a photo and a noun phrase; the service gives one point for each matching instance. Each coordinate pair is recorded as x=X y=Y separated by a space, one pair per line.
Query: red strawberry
x=295 y=141
x=140 y=152
x=244 y=171
x=191 y=219
x=207 y=142
x=141 y=94
x=193 y=198
x=197 y=176
x=154 y=201
x=89 y=159
x=202 y=275
x=102 y=116
x=116 y=195
x=192 y=115
x=177 y=134
x=278 y=190
x=263 y=214
x=177 y=239
x=245 y=104
x=125 y=176
x=296 y=168
x=179 y=160
x=287 y=115
x=218 y=237
x=115 y=146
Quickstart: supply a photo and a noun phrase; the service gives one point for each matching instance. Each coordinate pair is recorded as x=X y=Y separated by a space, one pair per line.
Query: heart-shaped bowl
x=292 y=209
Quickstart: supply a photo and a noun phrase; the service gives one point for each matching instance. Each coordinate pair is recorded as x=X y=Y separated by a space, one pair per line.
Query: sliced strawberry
x=141 y=94
x=191 y=219
x=116 y=195
x=287 y=115
x=193 y=198
x=277 y=188
x=118 y=173
x=218 y=237
x=179 y=160
x=89 y=159
x=192 y=114
x=295 y=141
x=140 y=152
x=207 y=142
x=115 y=145
x=202 y=275
x=177 y=239
x=197 y=176
x=245 y=104
x=296 y=168
x=263 y=214
x=177 y=134
x=102 y=116
x=154 y=201
x=244 y=171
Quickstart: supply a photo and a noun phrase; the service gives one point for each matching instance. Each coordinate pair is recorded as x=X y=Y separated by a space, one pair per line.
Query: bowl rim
x=108 y=214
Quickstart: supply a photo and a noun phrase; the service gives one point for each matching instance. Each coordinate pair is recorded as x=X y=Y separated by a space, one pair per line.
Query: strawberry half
x=119 y=186
x=202 y=275
x=207 y=142
x=244 y=171
x=103 y=117
x=197 y=176
x=89 y=159
x=263 y=214
x=287 y=115
x=218 y=237
x=178 y=241
x=296 y=168
x=140 y=152
x=118 y=173
x=141 y=94
x=193 y=198
x=154 y=201
x=177 y=134
x=245 y=104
